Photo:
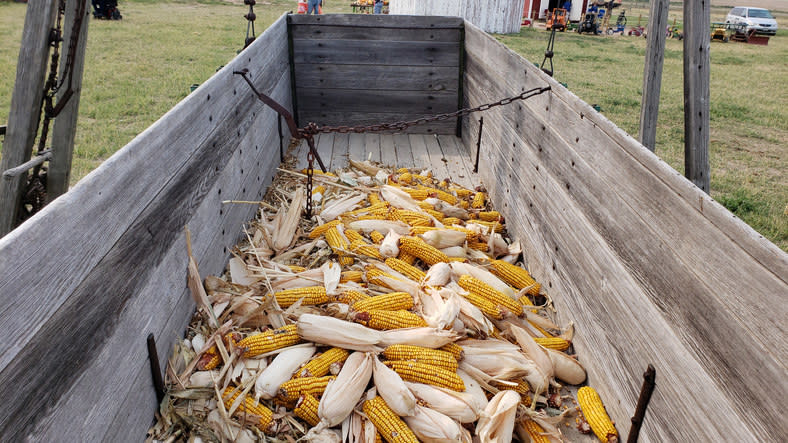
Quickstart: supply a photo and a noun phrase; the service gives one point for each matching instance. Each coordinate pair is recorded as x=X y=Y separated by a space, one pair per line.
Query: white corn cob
x=439 y=274
x=338 y=333
x=281 y=369
x=567 y=368
x=443 y=238
x=392 y=388
x=460 y=406
x=496 y=423
x=342 y=394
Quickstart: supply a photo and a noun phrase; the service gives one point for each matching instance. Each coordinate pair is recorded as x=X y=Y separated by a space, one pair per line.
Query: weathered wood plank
x=421 y=157
x=652 y=74
x=325 y=147
x=457 y=162
x=372 y=77
x=498 y=63
x=356 y=148
x=697 y=72
x=439 y=163
x=351 y=118
x=391 y=34
x=372 y=52
x=25 y=112
x=404 y=152
x=363 y=100
x=65 y=127
x=379 y=21
x=388 y=152
x=372 y=146
x=340 y=153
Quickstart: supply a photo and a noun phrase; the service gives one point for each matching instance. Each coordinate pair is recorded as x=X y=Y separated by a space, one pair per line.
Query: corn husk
x=228 y=429
x=460 y=406
x=496 y=422
x=340 y=333
x=281 y=369
x=365 y=166
x=399 y=199
x=430 y=426
x=239 y=273
x=447 y=209
x=439 y=274
x=284 y=231
x=503 y=361
x=382 y=226
x=389 y=247
x=392 y=388
x=474 y=394
x=332 y=273
x=534 y=351
x=342 y=394
x=456 y=251
x=567 y=368
x=338 y=206
x=443 y=238
x=426 y=337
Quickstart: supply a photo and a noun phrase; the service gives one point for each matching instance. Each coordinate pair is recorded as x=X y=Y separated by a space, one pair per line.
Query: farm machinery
x=557 y=19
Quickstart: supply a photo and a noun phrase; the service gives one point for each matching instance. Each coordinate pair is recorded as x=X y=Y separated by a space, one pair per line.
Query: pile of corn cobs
x=397 y=312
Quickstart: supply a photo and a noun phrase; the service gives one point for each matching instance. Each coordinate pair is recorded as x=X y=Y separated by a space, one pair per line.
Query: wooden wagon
x=649 y=268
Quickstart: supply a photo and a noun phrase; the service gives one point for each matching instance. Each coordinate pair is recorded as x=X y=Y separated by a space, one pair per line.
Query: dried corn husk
x=239 y=273
x=426 y=337
x=341 y=205
x=392 y=388
x=460 y=269
x=460 y=406
x=456 y=251
x=284 y=231
x=444 y=238
x=228 y=429
x=365 y=166
x=382 y=226
x=439 y=274
x=399 y=199
x=281 y=369
x=496 y=422
x=433 y=427
x=339 y=333
x=389 y=247
x=567 y=368
x=342 y=394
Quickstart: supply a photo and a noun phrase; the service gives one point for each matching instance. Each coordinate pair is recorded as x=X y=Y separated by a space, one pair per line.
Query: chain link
x=313 y=129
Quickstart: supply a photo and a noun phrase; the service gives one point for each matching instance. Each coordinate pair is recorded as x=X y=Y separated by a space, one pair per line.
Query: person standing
x=378 y=7
x=314 y=7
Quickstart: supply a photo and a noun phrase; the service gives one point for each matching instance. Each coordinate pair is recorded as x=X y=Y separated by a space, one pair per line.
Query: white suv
x=758 y=19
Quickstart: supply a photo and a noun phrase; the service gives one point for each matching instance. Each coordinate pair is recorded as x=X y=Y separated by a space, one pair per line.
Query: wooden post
x=652 y=73
x=23 y=118
x=65 y=126
x=697 y=20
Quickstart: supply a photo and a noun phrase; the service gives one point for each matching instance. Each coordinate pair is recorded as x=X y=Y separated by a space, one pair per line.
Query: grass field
x=138 y=68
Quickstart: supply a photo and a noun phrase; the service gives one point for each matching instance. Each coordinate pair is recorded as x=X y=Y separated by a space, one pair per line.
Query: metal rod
x=28 y=165
x=645 y=396
x=155 y=369
x=281 y=149
x=478 y=145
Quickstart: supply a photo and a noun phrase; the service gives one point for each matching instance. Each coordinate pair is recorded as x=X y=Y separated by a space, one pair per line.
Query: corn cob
x=435 y=357
x=437 y=214
x=426 y=206
x=363 y=248
x=392 y=301
x=442 y=195
x=417 y=194
x=306 y=409
x=269 y=341
x=390 y=426
x=535 y=432
x=293 y=388
x=317 y=231
x=334 y=239
x=374 y=274
x=454 y=349
x=405 y=177
x=249 y=406
x=318 y=172
x=478 y=200
x=406 y=258
x=491 y=226
x=462 y=192
x=410 y=217
x=350 y=296
x=418 y=230
x=374 y=198
x=313 y=295
x=490 y=216
x=515 y=276
x=370 y=208
x=428 y=374
x=487 y=307
x=479 y=246
x=355 y=276
x=209 y=359
x=402 y=170
x=557 y=343
x=450 y=221
x=464 y=204
x=595 y=414
x=319 y=189
x=374 y=216
x=376 y=237
x=353 y=235
x=444 y=183
x=405 y=269
x=320 y=365
x=417 y=247
x=383 y=320
x=474 y=285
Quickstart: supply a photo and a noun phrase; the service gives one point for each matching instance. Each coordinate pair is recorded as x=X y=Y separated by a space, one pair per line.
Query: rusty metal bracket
x=478 y=145
x=649 y=383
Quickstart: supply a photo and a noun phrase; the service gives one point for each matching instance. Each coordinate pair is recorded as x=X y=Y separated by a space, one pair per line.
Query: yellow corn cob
x=595 y=414
x=515 y=276
x=313 y=295
x=424 y=178
x=402 y=171
x=392 y=301
x=405 y=269
x=334 y=239
x=370 y=208
x=355 y=276
x=418 y=230
x=487 y=307
x=462 y=192
x=464 y=204
x=318 y=172
x=557 y=343
x=350 y=296
x=269 y=341
x=353 y=235
x=490 y=225
x=417 y=194
x=478 y=200
x=306 y=409
x=449 y=221
x=469 y=235
x=435 y=357
x=317 y=231
x=374 y=274
x=426 y=206
x=320 y=365
x=410 y=217
x=376 y=237
x=479 y=246
x=374 y=198
x=249 y=407
x=293 y=388
x=345 y=260
x=437 y=214
x=405 y=177
x=454 y=349
x=525 y=301
x=406 y=258
x=428 y=254
x=495 y=333
x=363 y=248
x=490 y=216
x=522 y=387
x=428 y=374
x=378 y=438
x=296 y=268
x=474 y=285
x=383 y=320
x=209 y=360
x=375 y=216
x=320 y=188
x=444 y=183
x=442 y=195
x=388 y=423
x=473 y=216
x=535 y=431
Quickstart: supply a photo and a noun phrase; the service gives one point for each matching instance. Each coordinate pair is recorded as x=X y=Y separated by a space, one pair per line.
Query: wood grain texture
x=375 y=52
x=23 y=117
x=352 y=118
x=358 y=32
x=652 y=74
x=499 y=16
x=105 y=275
x=416 y=22
x=390 y=78
x=565 y=163
x=697 y=72
x=364 y=100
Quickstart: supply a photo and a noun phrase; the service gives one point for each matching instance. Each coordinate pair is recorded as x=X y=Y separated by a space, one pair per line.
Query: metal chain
x=251 y=17
x=313 y=129
x=310 y=158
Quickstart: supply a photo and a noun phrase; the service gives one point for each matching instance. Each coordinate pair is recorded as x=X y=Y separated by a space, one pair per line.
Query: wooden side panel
x=115 y=268
x=360 y=70
x=498 y=16
x=650 y=269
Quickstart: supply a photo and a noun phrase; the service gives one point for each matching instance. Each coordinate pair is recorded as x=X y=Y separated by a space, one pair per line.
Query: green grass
x=140 y=67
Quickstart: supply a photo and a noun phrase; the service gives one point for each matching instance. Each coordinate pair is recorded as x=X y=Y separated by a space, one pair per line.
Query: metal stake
x=281 y=149
x=155 y=369
x=478 y=145
x=645 y=396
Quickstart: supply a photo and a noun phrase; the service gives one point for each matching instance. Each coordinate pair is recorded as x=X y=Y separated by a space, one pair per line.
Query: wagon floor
x=444 y=155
